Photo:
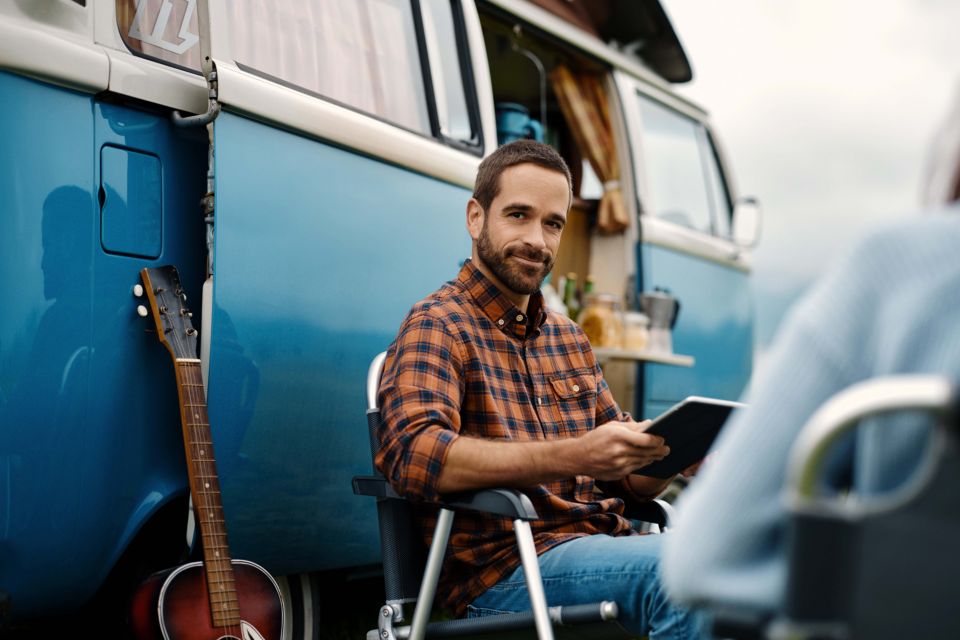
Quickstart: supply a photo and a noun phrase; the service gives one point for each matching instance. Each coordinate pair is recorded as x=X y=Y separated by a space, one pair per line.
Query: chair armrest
x=374 y=486
x=656 y=511
x=509 y=503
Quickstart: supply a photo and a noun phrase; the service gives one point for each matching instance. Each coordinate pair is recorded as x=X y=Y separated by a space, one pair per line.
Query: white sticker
x=156 y=37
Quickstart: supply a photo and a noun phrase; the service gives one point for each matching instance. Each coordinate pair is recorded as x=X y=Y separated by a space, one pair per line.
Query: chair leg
x=531 y=569
x=431 y=574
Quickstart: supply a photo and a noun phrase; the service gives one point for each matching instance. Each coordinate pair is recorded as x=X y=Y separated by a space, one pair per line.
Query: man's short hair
x=517 y=152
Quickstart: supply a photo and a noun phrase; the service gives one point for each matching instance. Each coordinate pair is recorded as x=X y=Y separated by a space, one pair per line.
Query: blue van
x=305 y=165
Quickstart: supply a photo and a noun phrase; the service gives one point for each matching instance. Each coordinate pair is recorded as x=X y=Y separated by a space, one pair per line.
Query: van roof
x=639 y=28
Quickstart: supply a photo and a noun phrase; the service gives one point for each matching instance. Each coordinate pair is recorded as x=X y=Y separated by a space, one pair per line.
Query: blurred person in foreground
x=890 y=307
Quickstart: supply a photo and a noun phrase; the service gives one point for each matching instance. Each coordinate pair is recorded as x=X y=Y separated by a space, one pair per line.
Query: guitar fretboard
x=205 y=489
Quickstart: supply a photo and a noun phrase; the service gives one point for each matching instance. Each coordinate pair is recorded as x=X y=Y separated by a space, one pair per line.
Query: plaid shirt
x=467 y=361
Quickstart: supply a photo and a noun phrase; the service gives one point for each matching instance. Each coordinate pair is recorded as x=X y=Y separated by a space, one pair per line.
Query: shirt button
x=500 y=322
x=576 y=387
x=520 y=318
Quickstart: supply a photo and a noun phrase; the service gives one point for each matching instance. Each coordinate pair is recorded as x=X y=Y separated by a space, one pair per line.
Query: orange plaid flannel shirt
x=467 y=361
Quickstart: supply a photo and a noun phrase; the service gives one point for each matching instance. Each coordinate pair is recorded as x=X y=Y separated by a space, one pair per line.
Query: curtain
x=586 y=110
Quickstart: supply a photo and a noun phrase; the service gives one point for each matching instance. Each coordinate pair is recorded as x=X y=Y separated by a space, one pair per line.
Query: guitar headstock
x=169 y=311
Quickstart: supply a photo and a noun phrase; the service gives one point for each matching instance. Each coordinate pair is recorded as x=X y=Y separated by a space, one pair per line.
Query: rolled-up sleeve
x=420 y=398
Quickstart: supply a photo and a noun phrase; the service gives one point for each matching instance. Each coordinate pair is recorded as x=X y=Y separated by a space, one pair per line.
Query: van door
x=343 y=160
x=685 y=248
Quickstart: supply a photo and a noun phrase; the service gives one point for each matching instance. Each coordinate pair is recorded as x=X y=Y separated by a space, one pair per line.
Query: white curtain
x=362 y=53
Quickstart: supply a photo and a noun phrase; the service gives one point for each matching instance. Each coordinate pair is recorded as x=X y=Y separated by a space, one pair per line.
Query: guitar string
x=229 y=608
x=219 y=569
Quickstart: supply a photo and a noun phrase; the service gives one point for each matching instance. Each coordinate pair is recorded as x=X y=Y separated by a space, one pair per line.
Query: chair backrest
x=401 y=545
x=883 y=567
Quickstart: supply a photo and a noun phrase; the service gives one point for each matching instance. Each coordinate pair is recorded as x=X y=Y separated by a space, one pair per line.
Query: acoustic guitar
x=219 y=597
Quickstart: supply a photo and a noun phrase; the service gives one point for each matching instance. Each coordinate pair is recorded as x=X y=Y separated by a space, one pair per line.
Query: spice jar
x=600 y=320
x=636 y=331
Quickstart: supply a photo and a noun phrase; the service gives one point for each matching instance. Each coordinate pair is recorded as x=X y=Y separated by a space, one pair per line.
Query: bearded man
x=486 y=387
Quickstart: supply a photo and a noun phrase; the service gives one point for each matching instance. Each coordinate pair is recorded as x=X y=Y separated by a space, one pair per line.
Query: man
x=485 y=387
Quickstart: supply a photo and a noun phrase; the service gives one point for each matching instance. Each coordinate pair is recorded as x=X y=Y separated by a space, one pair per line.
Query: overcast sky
x=827 y=110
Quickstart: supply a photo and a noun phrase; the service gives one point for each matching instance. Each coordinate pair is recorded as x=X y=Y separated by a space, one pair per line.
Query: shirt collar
x=498 y=307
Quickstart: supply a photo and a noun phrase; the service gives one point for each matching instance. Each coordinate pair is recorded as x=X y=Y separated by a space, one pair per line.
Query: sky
x=827 y=111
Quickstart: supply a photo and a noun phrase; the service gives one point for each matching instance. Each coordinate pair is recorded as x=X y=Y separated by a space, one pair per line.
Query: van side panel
x=320 y=253
x=714 y=326
x=89 y=440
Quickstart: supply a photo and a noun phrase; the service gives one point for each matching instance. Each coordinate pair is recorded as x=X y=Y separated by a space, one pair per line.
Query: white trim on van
x=251 y=95
x=481 y=74
x=51 y=54
x=701 y=245
x=156 y=83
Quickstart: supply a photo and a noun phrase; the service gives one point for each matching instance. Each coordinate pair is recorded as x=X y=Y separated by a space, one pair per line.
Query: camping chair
x=882 y=567
x=408 y=580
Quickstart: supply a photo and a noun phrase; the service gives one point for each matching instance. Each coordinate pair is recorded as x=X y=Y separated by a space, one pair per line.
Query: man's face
x=518 y=237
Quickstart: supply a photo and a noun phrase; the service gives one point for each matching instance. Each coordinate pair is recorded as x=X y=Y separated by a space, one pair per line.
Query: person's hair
x=517 y=152
x=942 y=183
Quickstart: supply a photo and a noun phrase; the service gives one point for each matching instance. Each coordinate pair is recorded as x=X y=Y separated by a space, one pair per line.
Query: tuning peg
x=142 y=311
x=138 y=290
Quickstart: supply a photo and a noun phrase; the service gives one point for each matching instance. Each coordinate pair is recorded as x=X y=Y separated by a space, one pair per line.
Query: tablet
x=688 y=428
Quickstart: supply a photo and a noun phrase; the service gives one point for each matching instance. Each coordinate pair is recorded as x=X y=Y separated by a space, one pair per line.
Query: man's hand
x=615 y=449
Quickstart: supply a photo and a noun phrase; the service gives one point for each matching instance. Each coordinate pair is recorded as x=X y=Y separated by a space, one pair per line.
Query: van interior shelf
x=612 y=353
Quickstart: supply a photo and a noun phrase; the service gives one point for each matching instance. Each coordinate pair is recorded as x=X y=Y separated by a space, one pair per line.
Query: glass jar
x=600 y=320
x=636 y=331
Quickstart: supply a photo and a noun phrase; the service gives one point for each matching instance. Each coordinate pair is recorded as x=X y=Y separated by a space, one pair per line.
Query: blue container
x=514 y=123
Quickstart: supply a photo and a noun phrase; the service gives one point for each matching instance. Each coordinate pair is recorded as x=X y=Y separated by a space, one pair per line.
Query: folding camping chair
x=407 y=579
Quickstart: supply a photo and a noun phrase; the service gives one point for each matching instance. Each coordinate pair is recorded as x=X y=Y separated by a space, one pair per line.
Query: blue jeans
x=600 y=567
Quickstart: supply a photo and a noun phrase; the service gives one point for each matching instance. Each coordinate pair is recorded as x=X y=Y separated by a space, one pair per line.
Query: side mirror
x=747 y=218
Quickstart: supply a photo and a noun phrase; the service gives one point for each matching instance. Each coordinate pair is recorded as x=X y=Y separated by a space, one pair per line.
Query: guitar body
x=173 y=605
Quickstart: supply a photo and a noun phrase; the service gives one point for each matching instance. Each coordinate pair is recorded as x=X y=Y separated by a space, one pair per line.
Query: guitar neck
x=205 y=489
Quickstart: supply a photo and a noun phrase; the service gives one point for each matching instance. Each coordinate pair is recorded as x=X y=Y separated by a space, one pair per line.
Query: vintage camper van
x=305 y=165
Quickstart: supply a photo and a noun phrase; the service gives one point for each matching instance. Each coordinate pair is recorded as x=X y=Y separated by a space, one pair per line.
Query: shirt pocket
x=573 y=386
x=574 y=402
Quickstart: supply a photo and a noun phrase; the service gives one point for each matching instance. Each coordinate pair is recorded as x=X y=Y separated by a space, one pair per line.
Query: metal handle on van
x=213 y=108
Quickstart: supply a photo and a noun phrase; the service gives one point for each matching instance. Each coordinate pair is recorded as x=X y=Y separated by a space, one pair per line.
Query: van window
x=717 y=188
x=361 y=53
x=165 y=30
x=673 y=167
x=447 y=70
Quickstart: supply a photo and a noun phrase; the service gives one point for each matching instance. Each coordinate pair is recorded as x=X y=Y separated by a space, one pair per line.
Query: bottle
x=583 y=295
x=551 y=298
x=588 y=286
x=570 y=296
